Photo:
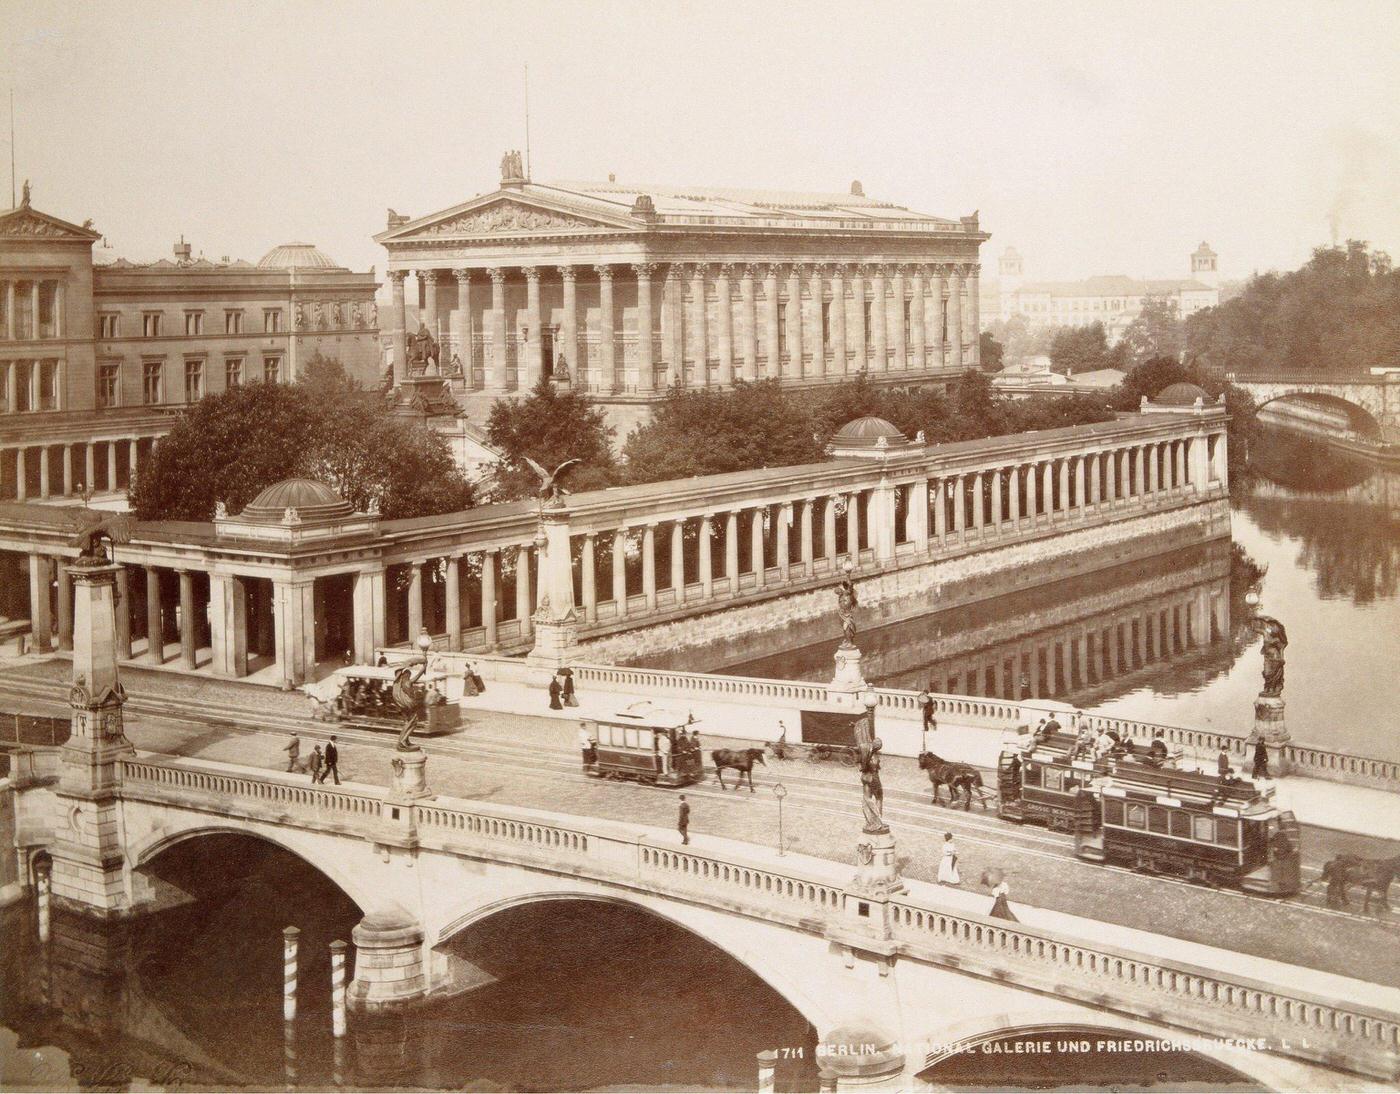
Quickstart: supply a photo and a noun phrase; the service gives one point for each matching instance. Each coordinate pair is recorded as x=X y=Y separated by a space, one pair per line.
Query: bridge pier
x=389 y=969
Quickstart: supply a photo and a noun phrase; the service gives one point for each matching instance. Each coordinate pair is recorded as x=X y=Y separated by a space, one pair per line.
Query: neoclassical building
x=623 y=290
x=97 y=356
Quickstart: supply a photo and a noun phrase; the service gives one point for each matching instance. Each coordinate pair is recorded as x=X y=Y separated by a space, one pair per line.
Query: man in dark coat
x=683 y=820
x=1222 y=762
x=332 y=761
x=1261 y=760
x=555 y=690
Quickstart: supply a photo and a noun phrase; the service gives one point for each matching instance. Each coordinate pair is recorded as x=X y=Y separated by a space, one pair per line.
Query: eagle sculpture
x=551 y=492
x=92 y=528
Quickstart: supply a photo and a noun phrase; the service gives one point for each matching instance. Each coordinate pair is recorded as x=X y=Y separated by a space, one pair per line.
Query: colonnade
x=64 y=470
x=645 y=326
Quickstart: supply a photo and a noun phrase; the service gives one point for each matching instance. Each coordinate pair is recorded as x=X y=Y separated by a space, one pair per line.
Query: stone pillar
x=917 y=527
x=112 y=465
x=699 y=326
x=916 y=317
x=649 y=566
x=771 y=318
x=808 y=553
x=1095 y=479
x=1154 y=455
x=862 y=336
x=389 y=971
x=704 y=561
x=996 y=499
x=748 y=324
x=534 y=346
x=619 y=572
x=853 y=527
x=974 y=312
x=524 y=601
x=784 y=546
x=1013 y=496
x=40 y=623
x=228 y=626
x=43 y=471
x=879 y=302
x=816 y=340
x=678 y=561
x=294 y=614
x=370 y=611
x=839 y=350
x=67 y=468
x=1221 y=460
x=938 y=288
x=607 y=336
x=568 y=346
x=940 y=511
x=122 y=606
x=429 y=278
x=901 y=345
x=1064 y=486
x=588 y=565
x=155 y=630
x=978 y=503
x=89 y=466
x=646 y=326
x=490 y=609
x=829 y=531
x=496 y=371
x=398 y=338
x=724 y=322
x=1200 y=464
x=462 y=324
x=453 y=596
x=794 y=322
x=731 y=551
x=671 y=345
x=1047 y=489
x=1031 y=484
x=556 y=626
x=760 y=563
x=1081 y=499
x=955 y=316
x=415 y=600
x=189 y=641
x=65 y=606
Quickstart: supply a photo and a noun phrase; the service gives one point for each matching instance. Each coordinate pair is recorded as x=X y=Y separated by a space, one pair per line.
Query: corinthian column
x=397 y=337
x=955 y=307
x=901 y=344
x=818 y=343
x=534 y=363
x=724 y=320
x=839 y=349
x=937 y=287
x=771 y=319
x=462 y=323
x=748 y=324
x=974 y=311
x=429 y=278
x=916 y=317
x=878 y=321
x=862 y=337
x=646 y=366
x=568 y=349
x=672 y=345
x=794 y=322
x=701 y=339
x=607 y=362
x=496 y=372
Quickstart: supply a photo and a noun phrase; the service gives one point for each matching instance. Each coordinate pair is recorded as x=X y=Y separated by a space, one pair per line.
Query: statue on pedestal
x=872 y=791
x=95 y=531
x=411 y=698
x=551 y=492
x=422 y=348
x=846 y=605
x=1275 y=642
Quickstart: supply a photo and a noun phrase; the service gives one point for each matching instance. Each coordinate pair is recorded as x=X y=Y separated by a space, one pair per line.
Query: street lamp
x=780 y=792
x=870 y=699
x=424 y=644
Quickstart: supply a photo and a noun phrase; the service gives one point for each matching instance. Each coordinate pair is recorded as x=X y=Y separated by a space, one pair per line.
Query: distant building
x=1114 y=300
x=96 y=357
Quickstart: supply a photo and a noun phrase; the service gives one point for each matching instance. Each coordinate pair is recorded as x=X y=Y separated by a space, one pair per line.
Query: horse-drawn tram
x=649 y=745
x=1224 y=831
x=1044 y=781
x=363 y=695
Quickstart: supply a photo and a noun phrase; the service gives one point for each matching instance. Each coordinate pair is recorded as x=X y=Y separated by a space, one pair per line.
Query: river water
x=1124 y=639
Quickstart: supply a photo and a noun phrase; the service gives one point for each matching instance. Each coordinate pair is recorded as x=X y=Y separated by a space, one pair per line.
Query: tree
x=326 y=374
x=229 y=447
x=549 y=426
x=991 y=352
x=1084 y=349
x=1154 y=374
x=1156 y=332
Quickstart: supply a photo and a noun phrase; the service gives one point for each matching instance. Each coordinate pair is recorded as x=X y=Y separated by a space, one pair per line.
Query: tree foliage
x=549 y=426
x=1156 y=332
x=229 y=447
x=1339 y=313
x=1084 y=349
x=1150 y=377
x=991 y=352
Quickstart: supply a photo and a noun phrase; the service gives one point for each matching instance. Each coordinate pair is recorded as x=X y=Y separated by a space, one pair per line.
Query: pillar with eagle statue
x=555 y=620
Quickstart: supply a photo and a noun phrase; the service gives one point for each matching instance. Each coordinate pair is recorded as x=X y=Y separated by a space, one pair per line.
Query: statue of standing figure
x=872 y=791
x=1275 y=642
x=846 y=604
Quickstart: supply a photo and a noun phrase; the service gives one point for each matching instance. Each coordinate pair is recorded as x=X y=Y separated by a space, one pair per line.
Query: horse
x=1374 y=874
x=955 y=776
x=741 y=759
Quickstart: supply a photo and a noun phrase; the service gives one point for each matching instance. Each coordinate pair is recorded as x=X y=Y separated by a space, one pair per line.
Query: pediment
x=26 y=223
x=503 y=215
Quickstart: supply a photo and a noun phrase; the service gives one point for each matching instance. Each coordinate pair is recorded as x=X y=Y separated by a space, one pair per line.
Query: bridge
x=1377 y=395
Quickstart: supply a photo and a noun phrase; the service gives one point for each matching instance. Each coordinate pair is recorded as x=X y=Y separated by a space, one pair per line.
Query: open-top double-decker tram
x=644 y=743
x=1223 y=831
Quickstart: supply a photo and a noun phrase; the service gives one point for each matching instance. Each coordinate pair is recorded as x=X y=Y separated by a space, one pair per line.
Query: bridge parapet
x=1228 y=998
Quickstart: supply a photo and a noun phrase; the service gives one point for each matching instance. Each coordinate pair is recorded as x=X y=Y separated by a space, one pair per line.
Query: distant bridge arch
x=1377 y=395
x=1358 y=418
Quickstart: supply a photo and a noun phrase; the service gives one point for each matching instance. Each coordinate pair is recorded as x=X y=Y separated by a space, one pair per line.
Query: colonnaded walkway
x=531 y=761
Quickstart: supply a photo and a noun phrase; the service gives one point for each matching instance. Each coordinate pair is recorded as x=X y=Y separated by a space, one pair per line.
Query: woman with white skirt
x=948 y=868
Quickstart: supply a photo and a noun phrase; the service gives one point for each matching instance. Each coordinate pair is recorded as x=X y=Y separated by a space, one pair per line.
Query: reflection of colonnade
x=299 y=580
x=641 y=327
x=104 y=465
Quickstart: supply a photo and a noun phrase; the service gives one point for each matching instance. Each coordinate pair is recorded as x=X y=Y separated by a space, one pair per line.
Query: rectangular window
x=272 y=320
x=272 y=370
x=1032 y=775
x=5 y=367
x=1157 y=819
x=24 y=371
x=107 y=325
x=48 y=385
x=48 y=309
x=1227 y=831
x=194 y=381
x=194 y=323
x=1181 y=824
x=233 y=372
x=151 y=386
x=150 y=324
x=108 y=383
x=233 y=322
x=1203 y=829
x=1137 y=816
x=1112 y=811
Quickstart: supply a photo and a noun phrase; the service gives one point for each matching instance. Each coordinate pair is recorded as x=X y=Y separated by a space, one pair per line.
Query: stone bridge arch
x=1362 y=418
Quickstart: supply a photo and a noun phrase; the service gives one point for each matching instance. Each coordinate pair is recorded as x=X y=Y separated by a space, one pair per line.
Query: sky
x=1094 y=137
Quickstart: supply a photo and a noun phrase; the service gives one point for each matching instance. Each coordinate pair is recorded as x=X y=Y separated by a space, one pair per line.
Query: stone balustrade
x=813 y=896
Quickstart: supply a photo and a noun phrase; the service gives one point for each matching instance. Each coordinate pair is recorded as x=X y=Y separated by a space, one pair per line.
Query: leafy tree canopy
x=1339 y=313
x=229 y=447
x=1150 y=377
x=1084 y=349
x=549 y=426
x=1157 y=331
x=991 y=352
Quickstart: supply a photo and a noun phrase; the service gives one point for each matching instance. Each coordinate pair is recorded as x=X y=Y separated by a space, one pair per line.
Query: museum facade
x=624 y=290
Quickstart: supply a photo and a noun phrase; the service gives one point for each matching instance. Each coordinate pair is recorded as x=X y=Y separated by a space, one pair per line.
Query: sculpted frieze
x=27 y=224
x=507 y=216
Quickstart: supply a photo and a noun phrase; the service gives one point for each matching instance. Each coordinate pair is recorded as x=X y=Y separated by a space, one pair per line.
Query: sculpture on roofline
x=95 y=530
x=551 y=492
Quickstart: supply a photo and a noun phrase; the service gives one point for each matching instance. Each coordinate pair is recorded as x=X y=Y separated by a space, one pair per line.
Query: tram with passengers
x=645 y=743
x=364 y=696
x=1214 y=829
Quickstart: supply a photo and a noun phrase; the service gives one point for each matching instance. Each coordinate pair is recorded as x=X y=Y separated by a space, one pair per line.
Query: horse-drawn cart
x=814 y=752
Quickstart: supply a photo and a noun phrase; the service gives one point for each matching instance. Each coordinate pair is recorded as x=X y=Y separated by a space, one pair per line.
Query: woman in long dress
x=948 y=868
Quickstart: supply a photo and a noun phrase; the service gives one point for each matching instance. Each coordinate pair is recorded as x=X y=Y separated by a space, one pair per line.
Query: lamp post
x=424 y=642
x=870 y=699
x=780 y=792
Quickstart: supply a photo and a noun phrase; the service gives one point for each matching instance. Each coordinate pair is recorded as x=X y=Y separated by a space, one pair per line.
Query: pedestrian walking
x=948 y=867
x=332 y=764
x=570 y=700
x=926 y=706
x=1261 y=759
x=1222 y=762
x=293 y=750
x=469 y=688
x=996 y=879
x=683 y=820
x=780 y=745
x=555 y=691
x=315 y=763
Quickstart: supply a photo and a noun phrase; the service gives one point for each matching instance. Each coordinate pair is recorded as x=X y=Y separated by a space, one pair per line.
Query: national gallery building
x=622 y=290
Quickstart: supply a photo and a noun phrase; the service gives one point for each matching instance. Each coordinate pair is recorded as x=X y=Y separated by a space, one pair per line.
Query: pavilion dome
x=1181 y=394
x=297 y=256
x=312 y=500
x=866 y=433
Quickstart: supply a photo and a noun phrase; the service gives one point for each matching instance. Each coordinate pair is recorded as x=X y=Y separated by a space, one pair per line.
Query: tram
x=646 y=744
x=1222 y=831
x=363 y=696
